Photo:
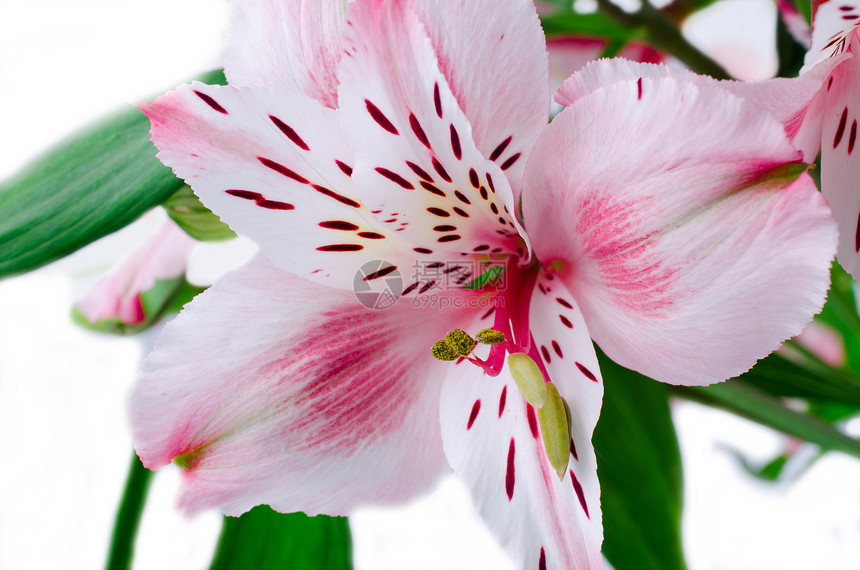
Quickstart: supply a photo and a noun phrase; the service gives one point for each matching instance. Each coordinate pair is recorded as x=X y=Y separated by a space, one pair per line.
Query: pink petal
x=494 y=59
x=792 y=102
x=687 y=263
x=163 y=256
x=492 y=440
x=275 y=167
x=273 y=390
x=840 y=157
x=832 y=25
x=416 y=162
x=288 y=45
x=794 y=22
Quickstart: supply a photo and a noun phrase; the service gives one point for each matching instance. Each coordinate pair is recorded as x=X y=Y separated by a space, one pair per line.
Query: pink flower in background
x=657 y=218
x=117 y=296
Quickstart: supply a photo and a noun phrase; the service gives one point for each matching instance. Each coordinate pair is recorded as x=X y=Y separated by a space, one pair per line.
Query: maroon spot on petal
x=423 y=250
x=565 y=321
x=450 y=237
x=484 y=193
x=502 y=400
x=431 y=188
x=246 y=194
x=488 y=313
x=419 y=132
x=510 y=161
x=396 y=178
x=455 y=143
x=490 y=182
x=341 y=247
x=460 y=212
x=381 y=119
x=494 y=208
x=530 y=414
x=444 y=228
x=564 y=303
x=639 y=88
x=344 y=167
x=557 y=349
x=427 y=286
x=338 y=225
x=545 y=353
x=211 y=102
x=289 y=132
x=852 y=137
x=829 y=83
x=371 y=235
x=473 y=178
x=437 y=100
x=501 y=148
x=573 y=449
x=850 y=17
x=390 y=220
x=419 y=171
x=840 y=130
x=342 y=199
x=857 y=237
x=410 y=288
x=439 y=212
x=452 y=269
x=441 y=170
x=846 y=8
x=542 y=560
x=509 y=472
x=587 y=372
x=481 y=248
x=275 y=205
x=281 y=169
x=496 y=250
x=579 y=494
x=550 y=276
x=476 y=407
x=461 y=197
x=380 y=273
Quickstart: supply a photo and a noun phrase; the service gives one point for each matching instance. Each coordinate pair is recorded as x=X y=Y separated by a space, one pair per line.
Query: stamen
x=490 y=336
x=443 y=351
x=460 y=341
x=555 y=430
x=529 y=378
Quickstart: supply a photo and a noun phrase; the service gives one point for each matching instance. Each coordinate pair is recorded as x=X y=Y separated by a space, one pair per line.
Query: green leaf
x=492 y=276
x=748 y=402
x=263 y=539
x=197 y=220
x=86 y=187
x=639 y=465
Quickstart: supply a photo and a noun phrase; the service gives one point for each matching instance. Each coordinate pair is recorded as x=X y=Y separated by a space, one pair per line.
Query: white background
x=64 y=446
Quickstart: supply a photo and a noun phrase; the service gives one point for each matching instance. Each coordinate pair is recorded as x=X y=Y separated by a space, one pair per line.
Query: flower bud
x=529 y=378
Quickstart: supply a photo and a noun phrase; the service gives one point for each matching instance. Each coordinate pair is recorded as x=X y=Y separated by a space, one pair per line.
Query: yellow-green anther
x=460 y=341
x=490 y=336
x=443 y=351
x=529 y=379
x=554 y=430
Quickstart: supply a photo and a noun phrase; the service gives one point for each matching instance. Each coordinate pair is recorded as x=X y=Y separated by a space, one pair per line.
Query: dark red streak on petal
x=509 y=472
x=336 y=196
x=461 y=197
x=510 y=162
x=211 y=102
x=371 y=235
x=490 y=182
x=573 y=449
x=484 y=193
x=502 y=399
x=432 y=189
x=419 y=132
x=246 y=194
x=565 y=321
x=275 y=205
x=447 y=238
x=587 y=372
x=419 y=171
x=380 y=273
x=857 y=237
x=501 y=148
x=579 y=494
x=396 y=178
x=423 y=250
x=437 y=100
x=341 y=247
x=530 y=414
x=381 y=119
x=476 y=407
x=439 y=212
x=345 y=168
x=563 y=303
x=460 y=212
x=557 y=349
x=444 y=228
x=840 y=130
x=427 y=286
x=545 y=353
x=289 y=132
x=473 y=178
x=542 y=560
x=281 y=169
x=410 y=288
x=338 y=225
x=455 y=143
x=441 y=170
x=639 y=88
x=852 y=138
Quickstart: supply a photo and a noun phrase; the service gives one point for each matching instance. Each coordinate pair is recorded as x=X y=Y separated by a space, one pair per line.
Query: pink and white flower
x=656 y=218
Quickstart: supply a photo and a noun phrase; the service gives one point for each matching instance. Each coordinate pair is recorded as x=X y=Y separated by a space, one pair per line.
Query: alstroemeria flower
x=656 y=217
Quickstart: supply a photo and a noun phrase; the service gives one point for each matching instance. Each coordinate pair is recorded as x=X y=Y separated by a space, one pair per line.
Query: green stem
x=662 y=33
x=128 y=516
